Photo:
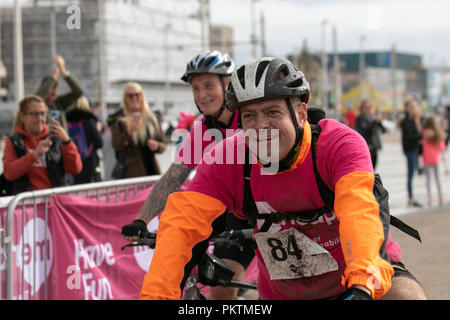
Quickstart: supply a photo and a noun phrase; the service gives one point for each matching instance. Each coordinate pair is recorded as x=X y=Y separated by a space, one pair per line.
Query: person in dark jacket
x=368 y=125
x=49 y=90
x=88 y=142
x=411 y=135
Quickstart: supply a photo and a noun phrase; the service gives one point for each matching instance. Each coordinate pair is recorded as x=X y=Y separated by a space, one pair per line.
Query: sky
x=413 y=26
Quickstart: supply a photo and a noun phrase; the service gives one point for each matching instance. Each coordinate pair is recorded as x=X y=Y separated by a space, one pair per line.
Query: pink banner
x=76 y=255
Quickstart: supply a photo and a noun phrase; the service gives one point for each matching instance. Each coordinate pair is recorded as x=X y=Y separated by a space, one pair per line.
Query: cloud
x=414 y=26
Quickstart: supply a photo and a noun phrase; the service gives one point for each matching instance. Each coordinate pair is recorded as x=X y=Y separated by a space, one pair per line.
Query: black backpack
x=380 y=193
x=6 y=186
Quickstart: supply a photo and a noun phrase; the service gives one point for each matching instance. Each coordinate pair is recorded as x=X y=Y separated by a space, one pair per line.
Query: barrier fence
x=64 y=243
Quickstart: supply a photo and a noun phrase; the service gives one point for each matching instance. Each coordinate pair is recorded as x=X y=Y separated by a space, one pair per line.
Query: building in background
x=376 y=82
x=221 y=39
x=438 y=86
x=116 y=41
x=309 y=64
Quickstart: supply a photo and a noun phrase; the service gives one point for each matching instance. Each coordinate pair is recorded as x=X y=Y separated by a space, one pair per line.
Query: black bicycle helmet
x=264 y=79
x=209 y=62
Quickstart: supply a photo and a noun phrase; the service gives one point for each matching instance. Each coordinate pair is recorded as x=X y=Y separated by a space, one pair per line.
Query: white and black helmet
x=209 y=62
x=264 y=79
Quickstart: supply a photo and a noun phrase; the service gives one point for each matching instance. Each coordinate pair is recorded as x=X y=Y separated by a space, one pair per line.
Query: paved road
x=428 y=261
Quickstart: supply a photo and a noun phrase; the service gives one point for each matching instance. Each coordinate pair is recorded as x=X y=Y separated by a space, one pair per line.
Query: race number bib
x=289 y=254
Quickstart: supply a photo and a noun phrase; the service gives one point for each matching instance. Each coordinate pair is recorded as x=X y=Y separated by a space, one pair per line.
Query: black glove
x=136 y=228
x=357 y=294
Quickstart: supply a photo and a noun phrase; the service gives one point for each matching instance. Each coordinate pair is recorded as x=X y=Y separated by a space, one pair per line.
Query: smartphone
x=54 y=115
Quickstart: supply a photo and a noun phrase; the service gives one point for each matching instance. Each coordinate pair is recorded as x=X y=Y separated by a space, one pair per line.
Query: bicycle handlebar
x=224 y=240
x=145 y=239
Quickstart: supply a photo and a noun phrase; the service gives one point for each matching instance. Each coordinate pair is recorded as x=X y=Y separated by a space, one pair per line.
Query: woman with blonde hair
x=136 y=136
x=38 y=155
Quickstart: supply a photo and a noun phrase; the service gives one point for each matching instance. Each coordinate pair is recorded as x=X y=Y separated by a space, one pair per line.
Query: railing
x=107 y=191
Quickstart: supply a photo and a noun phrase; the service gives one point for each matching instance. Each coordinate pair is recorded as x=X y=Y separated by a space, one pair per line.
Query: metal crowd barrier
x=108 y=189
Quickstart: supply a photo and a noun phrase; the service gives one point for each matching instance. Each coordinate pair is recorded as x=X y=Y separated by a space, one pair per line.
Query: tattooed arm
x=170 y=182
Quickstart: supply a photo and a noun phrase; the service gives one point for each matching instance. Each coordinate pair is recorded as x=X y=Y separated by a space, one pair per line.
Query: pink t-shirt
x=290 y=191
x=431 y=153
x=200 y=140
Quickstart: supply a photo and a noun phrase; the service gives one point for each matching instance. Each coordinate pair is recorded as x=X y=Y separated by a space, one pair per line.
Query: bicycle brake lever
x=131 y=245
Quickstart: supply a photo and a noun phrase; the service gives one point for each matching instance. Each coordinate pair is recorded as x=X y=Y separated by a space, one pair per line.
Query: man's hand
x=56 y=73
x=132 y=231
x=60 y=63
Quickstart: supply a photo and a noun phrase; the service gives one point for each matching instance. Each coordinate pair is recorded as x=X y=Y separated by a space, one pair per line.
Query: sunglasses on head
x=132 y=95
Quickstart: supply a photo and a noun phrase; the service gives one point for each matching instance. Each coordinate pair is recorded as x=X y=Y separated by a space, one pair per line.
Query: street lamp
x=362 y=89
x=324 y=67
x=253 y=39
x=18 y=53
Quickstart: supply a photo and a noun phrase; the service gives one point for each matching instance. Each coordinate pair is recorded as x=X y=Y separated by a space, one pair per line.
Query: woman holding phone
x=37 y=155
x=136 y=136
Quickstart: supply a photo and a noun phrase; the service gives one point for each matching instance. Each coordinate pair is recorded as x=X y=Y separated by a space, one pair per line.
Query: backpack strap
x=326 y=193
x=249 y=205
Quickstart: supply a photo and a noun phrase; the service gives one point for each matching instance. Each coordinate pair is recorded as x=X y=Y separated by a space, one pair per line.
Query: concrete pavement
x=428 y=261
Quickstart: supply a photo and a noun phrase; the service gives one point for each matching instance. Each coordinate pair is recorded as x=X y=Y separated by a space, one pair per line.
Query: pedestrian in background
x=350 y=117
x=136 y=136
x=49 y=90
x=82 y=125
x=369 y=125
x=38 y=155
x=433 y=144
x=411 y=138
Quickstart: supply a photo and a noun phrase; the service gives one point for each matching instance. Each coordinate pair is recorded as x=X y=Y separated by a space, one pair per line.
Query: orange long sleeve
x=362 y=234
x=185 y=221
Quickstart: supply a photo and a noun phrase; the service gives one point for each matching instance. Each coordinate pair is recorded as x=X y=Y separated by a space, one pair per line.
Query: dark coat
x=410 y=135
x=91 y=165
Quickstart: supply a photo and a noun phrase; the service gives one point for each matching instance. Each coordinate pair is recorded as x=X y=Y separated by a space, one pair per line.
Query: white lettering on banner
x=89 y=257
x=35 y=252
x=2 y=259
x=94 y=255
x=74 y=280
x=96 y=289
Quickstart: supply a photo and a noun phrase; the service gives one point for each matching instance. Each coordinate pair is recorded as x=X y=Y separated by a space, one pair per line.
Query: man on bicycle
x=344 y=252
x=208 y=73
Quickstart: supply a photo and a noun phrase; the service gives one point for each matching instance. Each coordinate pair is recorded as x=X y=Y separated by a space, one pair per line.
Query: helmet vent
x=295 y=84
x=208 y=61
x=260 y=70
x=241 y=76
x=282 y=73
